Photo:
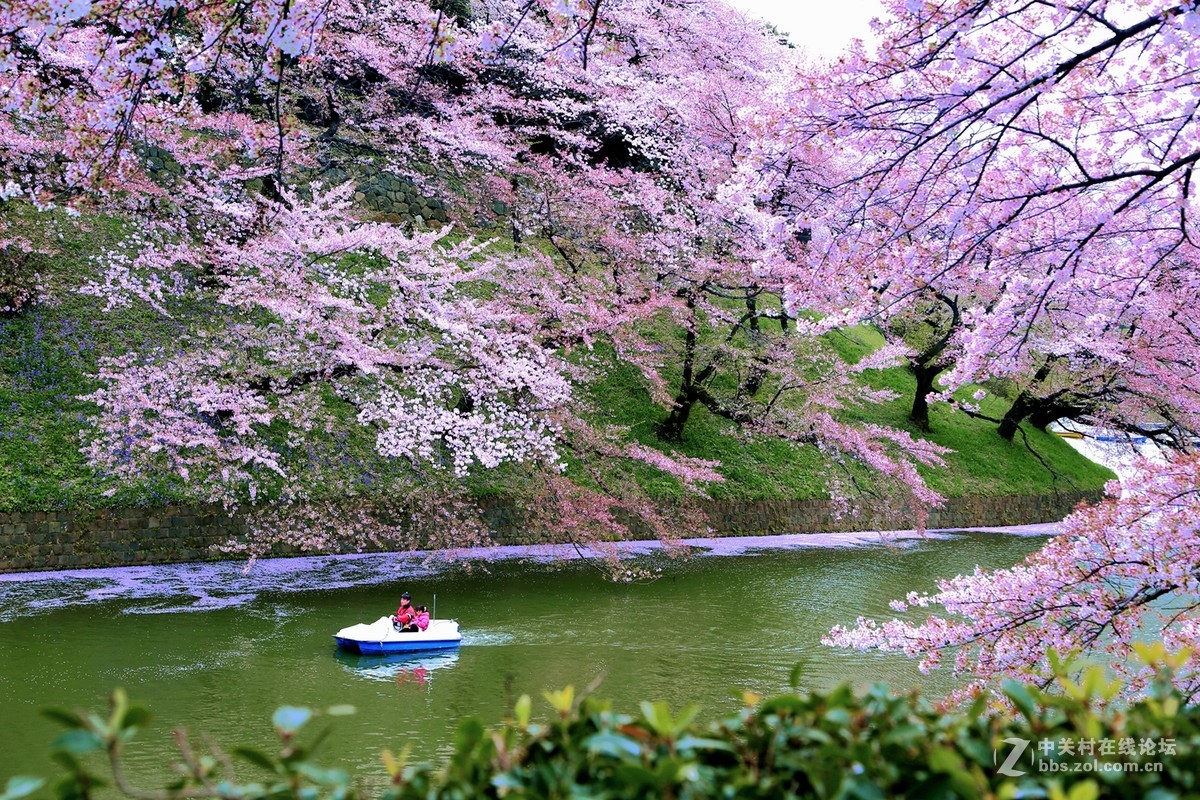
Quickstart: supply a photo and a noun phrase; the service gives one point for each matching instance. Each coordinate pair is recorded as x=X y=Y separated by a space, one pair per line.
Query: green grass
x=753 y=468
x=49 y=353
x=982 y=462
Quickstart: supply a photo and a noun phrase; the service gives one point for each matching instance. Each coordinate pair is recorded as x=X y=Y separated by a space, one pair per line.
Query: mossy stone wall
x=52 y=540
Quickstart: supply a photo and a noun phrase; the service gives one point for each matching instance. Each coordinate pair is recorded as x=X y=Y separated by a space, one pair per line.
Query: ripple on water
x=199 y=603
x=159 y=589
x=483 y=637
x=711 y=628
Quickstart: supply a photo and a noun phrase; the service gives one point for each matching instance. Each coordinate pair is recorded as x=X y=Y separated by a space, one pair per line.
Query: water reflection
x=413 y=668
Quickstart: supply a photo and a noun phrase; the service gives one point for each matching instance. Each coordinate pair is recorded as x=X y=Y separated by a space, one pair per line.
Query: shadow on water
x=709 y=629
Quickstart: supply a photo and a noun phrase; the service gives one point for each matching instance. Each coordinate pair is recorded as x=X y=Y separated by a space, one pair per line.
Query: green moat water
x=205 y=647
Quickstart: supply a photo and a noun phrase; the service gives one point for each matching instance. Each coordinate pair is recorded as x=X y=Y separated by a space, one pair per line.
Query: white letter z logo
x=1018 y=747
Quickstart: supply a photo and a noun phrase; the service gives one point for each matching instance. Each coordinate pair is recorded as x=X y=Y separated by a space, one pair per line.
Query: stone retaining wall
x=755 y=517
x=47 y=540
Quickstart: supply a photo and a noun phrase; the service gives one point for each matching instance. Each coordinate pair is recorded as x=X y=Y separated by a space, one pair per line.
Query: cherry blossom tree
x=723 y=252
x=1053 y=165
x=325 y=329
x=1041 y=157
x=1121 y=572
x=339 y=347
x=626 y=164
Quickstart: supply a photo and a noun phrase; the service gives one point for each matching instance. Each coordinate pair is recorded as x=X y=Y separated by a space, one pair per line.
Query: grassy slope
x=982 y=463
x=47 y=354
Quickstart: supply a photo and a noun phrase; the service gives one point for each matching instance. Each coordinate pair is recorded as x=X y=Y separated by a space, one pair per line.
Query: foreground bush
x=832 y=745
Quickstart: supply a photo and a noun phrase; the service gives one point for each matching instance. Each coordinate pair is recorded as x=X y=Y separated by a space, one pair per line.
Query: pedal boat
x=380 y=637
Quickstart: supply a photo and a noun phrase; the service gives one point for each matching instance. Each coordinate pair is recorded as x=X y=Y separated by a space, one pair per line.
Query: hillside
x=250 y=298
x=50 y=352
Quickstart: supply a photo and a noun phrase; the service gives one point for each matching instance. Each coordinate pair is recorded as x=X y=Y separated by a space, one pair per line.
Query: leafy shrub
x=818 y=745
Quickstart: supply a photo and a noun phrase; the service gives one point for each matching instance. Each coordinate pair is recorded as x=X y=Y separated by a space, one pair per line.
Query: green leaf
x=1084 y=790
x=74 y=787
x=20 y=786
x=943 y=759
x=699 y=743
x=613 y=745
x=322 y=776
x=864 y=789
x=795 y=674
x=395 y=764
x=523 y=710
x=78 y=742
x=561 y=700
x=135 y=717
x=289 y=719
x=635 y=776
x=256 y=757
x=684 y=719
x=506 y=781
x=1021 y=698
x=658 y=716
x=120 y=703
x=839 y=717
x=470 y=732
x=62 y=717
x=784 y=704
x=668 y=770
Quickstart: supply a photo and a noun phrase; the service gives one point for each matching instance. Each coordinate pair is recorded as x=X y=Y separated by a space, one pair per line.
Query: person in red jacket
x=405 y=614
x=420 y=621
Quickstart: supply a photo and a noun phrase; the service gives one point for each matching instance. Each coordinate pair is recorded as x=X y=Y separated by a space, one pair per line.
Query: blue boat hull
x=383 y=648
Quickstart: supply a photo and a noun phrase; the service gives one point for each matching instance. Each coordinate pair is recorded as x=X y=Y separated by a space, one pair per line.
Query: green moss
x=48 y=354
x=753 y=468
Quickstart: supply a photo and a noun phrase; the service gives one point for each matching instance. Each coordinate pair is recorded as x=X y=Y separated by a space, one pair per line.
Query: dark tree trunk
x=1027 y=404
x=754 y=380
x=1043 y=415
x=1061 y=405
x=1017 y=412
x=927 y=365
x=926 y=375
x=671 y=428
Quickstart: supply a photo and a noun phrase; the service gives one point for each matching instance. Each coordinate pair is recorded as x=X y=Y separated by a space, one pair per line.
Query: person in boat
x=419 y=623
x=405 y=614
